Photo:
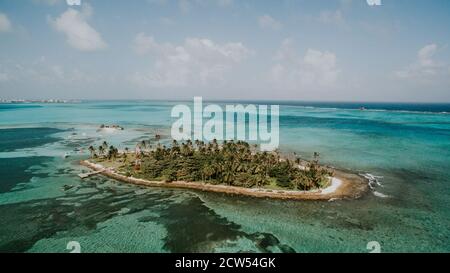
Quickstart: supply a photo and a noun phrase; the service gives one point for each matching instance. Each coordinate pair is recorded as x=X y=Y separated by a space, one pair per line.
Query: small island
x=110 y=127
x=233 y=167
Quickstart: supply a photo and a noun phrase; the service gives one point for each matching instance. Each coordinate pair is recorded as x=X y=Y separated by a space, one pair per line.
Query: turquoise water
x=405 y=148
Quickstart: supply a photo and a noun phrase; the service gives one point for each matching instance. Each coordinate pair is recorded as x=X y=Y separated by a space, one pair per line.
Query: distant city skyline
x=337 y=50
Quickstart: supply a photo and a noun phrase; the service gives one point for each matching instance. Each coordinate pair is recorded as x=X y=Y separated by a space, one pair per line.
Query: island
x=110 y=128
x=37 y=101
x=232 y=167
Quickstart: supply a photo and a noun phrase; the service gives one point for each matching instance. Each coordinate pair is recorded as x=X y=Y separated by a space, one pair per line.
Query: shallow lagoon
x=407 y=148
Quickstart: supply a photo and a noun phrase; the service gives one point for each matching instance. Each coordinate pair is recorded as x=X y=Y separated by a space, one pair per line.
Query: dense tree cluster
x=230 y=163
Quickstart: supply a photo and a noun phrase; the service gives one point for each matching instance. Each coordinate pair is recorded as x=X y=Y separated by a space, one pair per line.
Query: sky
x=310 y=50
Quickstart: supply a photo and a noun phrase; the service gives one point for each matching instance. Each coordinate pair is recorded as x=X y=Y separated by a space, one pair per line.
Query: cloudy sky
x=341 y=50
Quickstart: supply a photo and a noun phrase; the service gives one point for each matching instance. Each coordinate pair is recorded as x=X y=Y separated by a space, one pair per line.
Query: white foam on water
x=381 y=195
x=374 y=182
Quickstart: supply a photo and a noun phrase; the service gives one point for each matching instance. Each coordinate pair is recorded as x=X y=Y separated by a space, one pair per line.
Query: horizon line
x=225 y=100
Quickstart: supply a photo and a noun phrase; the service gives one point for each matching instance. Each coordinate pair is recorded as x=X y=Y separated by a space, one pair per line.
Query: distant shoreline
x=43 y=101
x=343 y=186
x=412 y=107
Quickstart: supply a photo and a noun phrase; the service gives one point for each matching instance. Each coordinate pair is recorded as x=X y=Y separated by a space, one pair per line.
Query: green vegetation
x=229 y=163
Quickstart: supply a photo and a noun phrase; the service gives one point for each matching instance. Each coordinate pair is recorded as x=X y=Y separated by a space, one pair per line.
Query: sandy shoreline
x=343 y=185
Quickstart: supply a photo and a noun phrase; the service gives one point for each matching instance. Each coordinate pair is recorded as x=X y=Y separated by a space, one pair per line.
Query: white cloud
x=267 y=22
x=315 y=70
x=80 y=35
x=143 y=44
x=44 y=72
x=197 y=62
x=425 y=67
x=5 y=24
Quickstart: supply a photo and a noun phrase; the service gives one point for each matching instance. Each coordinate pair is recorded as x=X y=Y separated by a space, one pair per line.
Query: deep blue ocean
x=403 y=148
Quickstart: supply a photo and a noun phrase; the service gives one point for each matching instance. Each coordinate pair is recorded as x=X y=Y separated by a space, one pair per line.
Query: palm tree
x=299 y=182
x=174 y=143
x=207 y=172
x=101 y=150
x=112 y=152
x=316 y=157
x=260 y=179
x=92 y=151
x=143 y=145
x=228 y=176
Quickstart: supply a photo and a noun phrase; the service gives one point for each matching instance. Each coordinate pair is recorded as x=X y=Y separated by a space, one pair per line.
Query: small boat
x=362 y=108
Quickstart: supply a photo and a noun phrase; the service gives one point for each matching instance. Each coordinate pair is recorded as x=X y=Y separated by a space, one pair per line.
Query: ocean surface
x=403 y=148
